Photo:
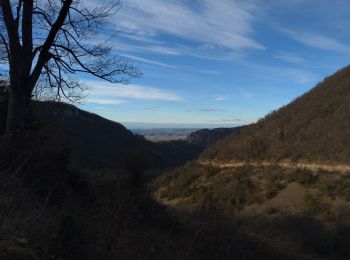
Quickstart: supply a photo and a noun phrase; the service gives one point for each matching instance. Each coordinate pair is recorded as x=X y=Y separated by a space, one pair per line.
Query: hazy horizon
x=144 y=125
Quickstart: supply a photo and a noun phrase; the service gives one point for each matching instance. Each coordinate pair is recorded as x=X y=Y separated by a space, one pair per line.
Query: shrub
x=272 y=182
x=336 y=188
x=312 y=205
x=270 y=188
x=303 y=177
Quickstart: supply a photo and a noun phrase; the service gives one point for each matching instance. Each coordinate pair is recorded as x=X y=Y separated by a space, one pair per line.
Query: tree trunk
x=16 y=111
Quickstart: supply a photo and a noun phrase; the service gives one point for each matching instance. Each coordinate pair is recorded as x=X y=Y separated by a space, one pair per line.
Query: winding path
x=343 y=168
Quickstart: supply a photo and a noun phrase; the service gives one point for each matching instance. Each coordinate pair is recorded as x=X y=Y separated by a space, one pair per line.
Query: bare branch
x=47 y=42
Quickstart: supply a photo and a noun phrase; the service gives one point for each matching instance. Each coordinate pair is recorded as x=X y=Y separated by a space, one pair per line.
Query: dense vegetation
x=314 y=127
x=98 y=143
x=302 y=213
x=51 y=210
x=232 y=190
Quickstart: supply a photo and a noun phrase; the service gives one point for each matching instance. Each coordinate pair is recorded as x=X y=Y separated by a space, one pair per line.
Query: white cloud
x=109 y=92
x=225 y=23
x=201 y=51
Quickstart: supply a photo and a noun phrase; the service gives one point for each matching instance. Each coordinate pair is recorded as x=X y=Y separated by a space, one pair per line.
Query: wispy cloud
x=318 y=41
x=211 y=110
x=226 y=23
x=149 y=61
x=219 y=98
x=104 y=101
x=204 y=51
x=289 y=57
x=103 y=91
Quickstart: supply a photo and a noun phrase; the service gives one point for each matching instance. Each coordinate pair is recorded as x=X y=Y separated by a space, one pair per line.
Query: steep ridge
x=314 y=128
x=96 y=142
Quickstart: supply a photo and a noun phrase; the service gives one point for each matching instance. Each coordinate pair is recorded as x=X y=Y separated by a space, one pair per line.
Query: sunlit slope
x=314 y=127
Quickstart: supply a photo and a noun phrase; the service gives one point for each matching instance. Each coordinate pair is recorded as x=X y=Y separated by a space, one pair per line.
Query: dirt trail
x=288 y=165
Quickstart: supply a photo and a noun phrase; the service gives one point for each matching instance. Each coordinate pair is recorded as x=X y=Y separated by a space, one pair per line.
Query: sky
x=218 y=63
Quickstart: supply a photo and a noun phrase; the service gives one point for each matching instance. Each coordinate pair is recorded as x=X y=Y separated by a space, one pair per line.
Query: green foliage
x=228 y=195
x=208 y=189
x=273 y=180
x=271 y=185
x=181 y=184
x=302 y=176
x=312 y=205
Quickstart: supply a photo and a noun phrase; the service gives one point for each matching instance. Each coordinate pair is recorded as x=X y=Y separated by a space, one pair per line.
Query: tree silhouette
x=51 y=40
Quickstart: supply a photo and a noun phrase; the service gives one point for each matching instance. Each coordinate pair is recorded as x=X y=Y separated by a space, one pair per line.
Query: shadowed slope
x=96 y=142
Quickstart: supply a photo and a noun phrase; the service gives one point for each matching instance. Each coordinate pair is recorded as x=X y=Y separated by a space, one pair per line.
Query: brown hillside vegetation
x=301 y=213
x=283 y=180
x=315 y=127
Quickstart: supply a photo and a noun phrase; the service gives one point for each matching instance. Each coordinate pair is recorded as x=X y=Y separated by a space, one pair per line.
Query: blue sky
x=219 y=63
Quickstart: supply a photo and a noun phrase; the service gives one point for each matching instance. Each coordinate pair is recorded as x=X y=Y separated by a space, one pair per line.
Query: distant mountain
x=206 y=137
x=314 y=127
x=96 y=142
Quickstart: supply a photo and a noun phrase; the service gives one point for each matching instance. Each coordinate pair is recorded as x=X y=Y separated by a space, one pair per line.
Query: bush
x=336 y=188
x=312 y=205
x=270 y=188
x=303 y=177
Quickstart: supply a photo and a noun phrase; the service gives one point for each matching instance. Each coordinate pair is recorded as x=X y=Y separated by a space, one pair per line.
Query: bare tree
x=48 y=41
